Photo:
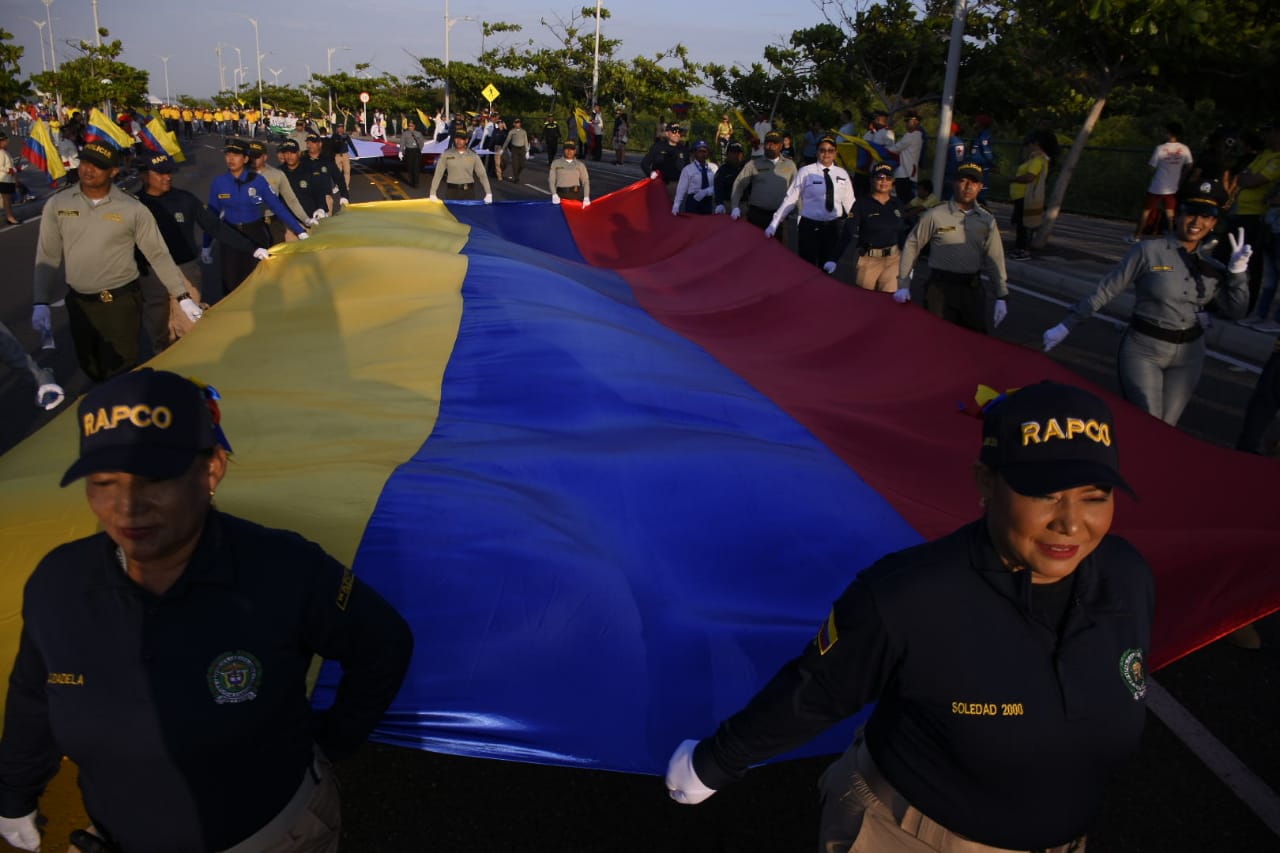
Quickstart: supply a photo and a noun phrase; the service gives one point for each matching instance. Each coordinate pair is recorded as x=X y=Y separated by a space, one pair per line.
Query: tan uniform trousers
x=877 y=273
x=856 y=820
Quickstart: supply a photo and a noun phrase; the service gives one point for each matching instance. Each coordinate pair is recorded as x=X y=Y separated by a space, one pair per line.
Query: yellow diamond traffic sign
x=490 y=93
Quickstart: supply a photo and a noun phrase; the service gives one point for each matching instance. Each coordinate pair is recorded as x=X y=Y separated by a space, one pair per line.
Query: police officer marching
x=312 y=189
x=460 y=169
x=280 y=186
x=1175 y=279
x=568 y=177
x=551 y=137
x=763 y=182
x=240 y=196
x=518 y=145
x=695 y=191
x=411 y=151
x=824 y=192
x=875 y=226
x=92 y=230
x=963 y=241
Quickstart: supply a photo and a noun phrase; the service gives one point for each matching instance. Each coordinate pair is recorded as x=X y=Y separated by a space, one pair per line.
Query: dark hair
x=927 y=184
x=1174 y=128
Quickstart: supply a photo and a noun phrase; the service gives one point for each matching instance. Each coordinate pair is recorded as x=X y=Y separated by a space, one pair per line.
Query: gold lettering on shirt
x=988 y=709
x=73 y=679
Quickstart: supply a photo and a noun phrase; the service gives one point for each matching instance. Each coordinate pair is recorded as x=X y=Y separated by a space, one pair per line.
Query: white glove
x=319 y=214
x=304 y=235
x=719 y=209
x=586 y=202
x=21 y=832
x=675 y=209
x=261 y=254
x=1205 y=319
x=1240 y=252
x=310 y=223
x=400 y=154
x=344 y=201
x=902 y=295
x=771 y=230
x=206 y=256
x=683 y=783
x=190 y=308
x=736 y=215
x=432 y=197
x=829 y=267
x=555 y=198
x=50 y=396
x=1053 y=337
x=653 y=176
x=488 y=198
x=999 y=312
x=41 y=321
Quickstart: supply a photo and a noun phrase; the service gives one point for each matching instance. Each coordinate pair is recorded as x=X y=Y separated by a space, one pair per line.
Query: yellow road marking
x=388 y=186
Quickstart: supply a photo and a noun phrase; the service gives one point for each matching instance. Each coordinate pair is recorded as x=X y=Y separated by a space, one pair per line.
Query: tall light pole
x=44 y=65
x=275 y=73
x=448 y=25
x=165 y=60
x=595 y=65
x=239 y=71
x=329 y=52
x=959 y=16
x=257 y=48
x=222 y=79
x=97 y=30
x=48 y=19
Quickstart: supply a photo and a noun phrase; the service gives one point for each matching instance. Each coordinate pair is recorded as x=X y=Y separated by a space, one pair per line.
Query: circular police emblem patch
x=234 y=677
x=1205 y=187
x=1133 y=670
x=302 y=184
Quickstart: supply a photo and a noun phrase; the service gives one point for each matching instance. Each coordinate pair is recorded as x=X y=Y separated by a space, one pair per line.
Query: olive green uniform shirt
x=958 y=241
x=517 y=138
x=764 y=182
x=460 y=167
x=95 y=244
x=569 y=173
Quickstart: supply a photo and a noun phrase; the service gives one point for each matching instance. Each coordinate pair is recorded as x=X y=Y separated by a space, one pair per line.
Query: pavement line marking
x=1120 y=324
x=1242 y=781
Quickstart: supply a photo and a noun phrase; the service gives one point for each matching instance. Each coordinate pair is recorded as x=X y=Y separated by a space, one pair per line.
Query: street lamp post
x=329 y=52
x=165 y=60
x=53 y=57
x=448 y=25
x=595 y=65
x=44 y=65
x=275 y=73
x=239 y=71
x=97 y=30
x=257 y=48
x=222 y=80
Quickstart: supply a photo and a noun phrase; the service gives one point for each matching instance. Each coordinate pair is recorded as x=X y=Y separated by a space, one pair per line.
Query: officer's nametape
x=344 y=588
x=1035 y=432
x=140 y=416
x=73 y=679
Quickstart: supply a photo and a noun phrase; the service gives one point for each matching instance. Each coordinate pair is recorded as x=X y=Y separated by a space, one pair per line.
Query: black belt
x=1172 y=336
x=461 y=186
x=949 y=278
x=882 y=252
x=104 y=295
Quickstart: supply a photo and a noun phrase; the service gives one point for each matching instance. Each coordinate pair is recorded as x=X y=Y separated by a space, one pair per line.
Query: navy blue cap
x=1049 y=437
x=161 y=164
x=150 y=423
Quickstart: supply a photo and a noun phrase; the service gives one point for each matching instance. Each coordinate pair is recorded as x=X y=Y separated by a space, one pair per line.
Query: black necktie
x=705 y=180
x=831 y=189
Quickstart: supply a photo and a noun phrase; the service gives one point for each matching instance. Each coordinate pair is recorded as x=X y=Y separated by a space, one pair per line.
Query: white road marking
x=1242 y=781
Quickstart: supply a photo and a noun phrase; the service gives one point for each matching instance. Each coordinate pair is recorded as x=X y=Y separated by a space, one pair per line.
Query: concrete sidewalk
x=1081 y=251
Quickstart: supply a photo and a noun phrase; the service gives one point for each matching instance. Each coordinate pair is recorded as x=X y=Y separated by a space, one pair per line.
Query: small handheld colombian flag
x=42 y=153
x=102 y=129
x=156 y=130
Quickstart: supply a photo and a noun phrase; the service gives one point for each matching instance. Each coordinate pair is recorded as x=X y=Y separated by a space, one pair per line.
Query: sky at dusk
x=386 y=33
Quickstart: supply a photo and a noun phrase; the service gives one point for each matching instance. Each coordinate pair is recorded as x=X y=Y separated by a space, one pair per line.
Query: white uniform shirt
x=1168 y=160
x=810 y=189
x=908 y=151
x=691 y=180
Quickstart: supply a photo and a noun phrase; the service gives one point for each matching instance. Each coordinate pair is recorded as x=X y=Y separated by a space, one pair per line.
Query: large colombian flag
x=614 y=466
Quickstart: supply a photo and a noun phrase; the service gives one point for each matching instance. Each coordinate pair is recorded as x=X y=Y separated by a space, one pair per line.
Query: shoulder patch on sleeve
x=344 y=588
x=827 y=634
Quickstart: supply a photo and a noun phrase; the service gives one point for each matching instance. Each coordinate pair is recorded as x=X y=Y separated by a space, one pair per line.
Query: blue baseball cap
x=151 y=423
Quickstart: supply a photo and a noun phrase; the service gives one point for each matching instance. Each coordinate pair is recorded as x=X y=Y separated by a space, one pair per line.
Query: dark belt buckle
x=105 y=296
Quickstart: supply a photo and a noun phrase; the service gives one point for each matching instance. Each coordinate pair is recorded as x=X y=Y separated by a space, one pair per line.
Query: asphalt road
x=399 y=799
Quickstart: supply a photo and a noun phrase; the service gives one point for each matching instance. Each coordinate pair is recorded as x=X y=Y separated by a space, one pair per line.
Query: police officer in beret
x=93 y=230
x=1174 y=279
x=1007 y=659
x=167 y=654
x=460 y=169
